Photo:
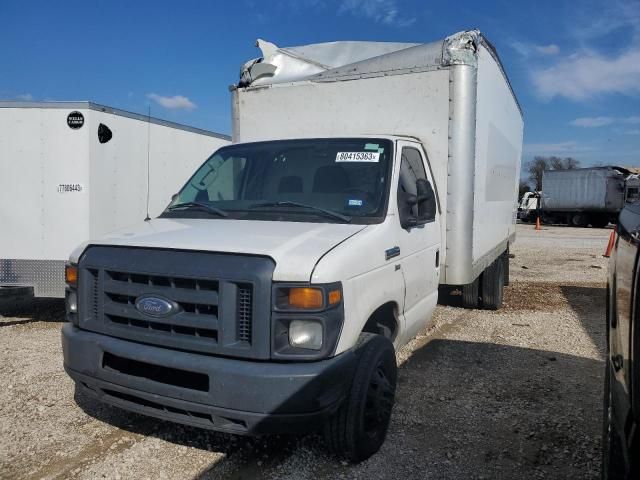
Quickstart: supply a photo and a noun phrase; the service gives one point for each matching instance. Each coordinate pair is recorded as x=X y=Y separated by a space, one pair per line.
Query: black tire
x=577 y=220
x=471 y=294
x=613 y=465
x=358 y=429
x=492 y=288
x=506 y=260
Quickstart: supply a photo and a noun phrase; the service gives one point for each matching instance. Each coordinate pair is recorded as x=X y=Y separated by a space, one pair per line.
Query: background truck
x=72 y=171
x=528 y=208
x=272 y=292
x=587 y=196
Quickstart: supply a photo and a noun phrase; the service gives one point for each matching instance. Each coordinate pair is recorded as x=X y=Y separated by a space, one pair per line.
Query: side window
x=413 y=181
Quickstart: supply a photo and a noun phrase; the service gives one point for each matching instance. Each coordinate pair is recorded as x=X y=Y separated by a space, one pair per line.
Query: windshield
x=318 y=180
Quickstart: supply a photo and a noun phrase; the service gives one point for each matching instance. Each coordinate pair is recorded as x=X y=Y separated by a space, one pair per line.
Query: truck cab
x=279 y=278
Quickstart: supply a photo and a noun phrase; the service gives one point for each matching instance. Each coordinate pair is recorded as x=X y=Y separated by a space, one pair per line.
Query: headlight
x=72 y=301
x=305 y=334
x=306 y=320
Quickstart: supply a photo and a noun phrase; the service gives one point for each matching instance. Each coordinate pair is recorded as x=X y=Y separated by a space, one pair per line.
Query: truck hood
x=296 y=247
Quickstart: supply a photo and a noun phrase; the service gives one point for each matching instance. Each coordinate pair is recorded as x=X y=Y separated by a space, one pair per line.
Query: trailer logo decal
x=75 y=120
x=155 y=306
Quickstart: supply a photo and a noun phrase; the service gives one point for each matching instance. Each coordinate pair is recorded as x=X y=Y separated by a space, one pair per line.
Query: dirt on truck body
x=514 y=393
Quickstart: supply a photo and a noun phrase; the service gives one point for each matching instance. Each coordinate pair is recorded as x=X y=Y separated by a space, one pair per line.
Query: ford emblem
x=155 y=306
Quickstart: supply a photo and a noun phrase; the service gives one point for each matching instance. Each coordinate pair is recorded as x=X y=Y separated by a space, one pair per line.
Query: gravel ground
x=508 y=394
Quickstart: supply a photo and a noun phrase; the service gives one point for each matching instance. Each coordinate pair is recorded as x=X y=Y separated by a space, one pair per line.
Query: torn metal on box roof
x=348 y=60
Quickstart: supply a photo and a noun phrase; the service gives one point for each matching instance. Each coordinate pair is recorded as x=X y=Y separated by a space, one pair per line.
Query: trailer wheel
x=493 y=285
x=505 y=259
x=578 y=220
x=358 y=429
x=471 y=294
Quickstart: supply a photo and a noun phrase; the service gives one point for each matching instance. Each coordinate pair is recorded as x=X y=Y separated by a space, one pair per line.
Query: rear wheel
x=358 y=429
x=471 y=294
x=578 y=220
x=612 y=455
x=506 y=260
x=493 y=285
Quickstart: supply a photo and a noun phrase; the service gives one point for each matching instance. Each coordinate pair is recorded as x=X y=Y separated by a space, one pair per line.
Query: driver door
x=420 y=243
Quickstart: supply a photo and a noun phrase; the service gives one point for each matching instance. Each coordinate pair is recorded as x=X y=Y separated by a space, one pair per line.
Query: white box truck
x=270 y=296
x=72 y=171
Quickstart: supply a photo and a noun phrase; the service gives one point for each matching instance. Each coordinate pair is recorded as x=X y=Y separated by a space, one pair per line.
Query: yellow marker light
x=71 y=275
x=335 y=296
x=306 y=298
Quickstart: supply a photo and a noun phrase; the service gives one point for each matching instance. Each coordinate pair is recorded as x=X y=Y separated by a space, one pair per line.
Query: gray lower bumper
x=223 y=394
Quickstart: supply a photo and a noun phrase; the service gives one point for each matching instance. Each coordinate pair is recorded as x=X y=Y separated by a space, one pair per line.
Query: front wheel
x=358 y=429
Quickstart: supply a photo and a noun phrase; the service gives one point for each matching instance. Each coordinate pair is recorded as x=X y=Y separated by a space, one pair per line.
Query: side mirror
x=426 y=200
x=406 y=202
x=174 y=196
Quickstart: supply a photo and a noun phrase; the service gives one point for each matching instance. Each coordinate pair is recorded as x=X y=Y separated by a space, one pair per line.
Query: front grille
x=212 y=311
x=197 y=300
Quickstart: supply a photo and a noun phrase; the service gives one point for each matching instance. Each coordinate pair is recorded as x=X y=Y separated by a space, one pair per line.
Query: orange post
x=612 y=241
x=538 y=223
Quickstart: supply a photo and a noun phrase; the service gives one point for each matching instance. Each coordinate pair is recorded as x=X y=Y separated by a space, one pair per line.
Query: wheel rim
x=379 y=402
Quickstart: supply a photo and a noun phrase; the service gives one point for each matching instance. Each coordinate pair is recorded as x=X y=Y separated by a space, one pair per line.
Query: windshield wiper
x=201 y=205
x=287 y=203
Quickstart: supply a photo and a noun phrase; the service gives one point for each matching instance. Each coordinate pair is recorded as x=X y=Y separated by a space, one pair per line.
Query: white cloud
x=526 y=50
x=587 y=74
x=551 y=49
x=386 y=12
x=25 y=97
x=589 y=71
x=177 y=102
x=570 y=146
x=591 y=122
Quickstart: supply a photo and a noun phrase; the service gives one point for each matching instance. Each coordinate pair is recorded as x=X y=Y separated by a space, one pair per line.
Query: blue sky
x=575 y=66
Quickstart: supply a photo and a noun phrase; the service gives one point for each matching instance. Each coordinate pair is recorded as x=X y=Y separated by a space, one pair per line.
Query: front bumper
x=231 y=395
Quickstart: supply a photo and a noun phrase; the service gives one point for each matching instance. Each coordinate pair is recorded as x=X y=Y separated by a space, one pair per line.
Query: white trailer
x=452 y=95
x=72 y=171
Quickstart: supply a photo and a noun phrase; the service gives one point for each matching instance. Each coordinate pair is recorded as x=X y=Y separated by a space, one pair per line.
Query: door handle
x=391 y=253
x=437 y=258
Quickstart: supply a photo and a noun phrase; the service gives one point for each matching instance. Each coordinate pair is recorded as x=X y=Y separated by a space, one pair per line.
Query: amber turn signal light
x=335 y=296
x=306 y=298
x=71 y=275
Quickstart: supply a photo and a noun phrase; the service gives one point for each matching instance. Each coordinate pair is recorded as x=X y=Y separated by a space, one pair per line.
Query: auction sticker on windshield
x=357 y=157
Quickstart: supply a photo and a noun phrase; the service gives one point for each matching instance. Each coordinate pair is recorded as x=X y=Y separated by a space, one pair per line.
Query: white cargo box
x=452 y=95
x=61 y=185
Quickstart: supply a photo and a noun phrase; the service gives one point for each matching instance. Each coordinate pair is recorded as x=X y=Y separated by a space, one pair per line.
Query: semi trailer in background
x=587 y=196
x=72 y=171
x=271 y=294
